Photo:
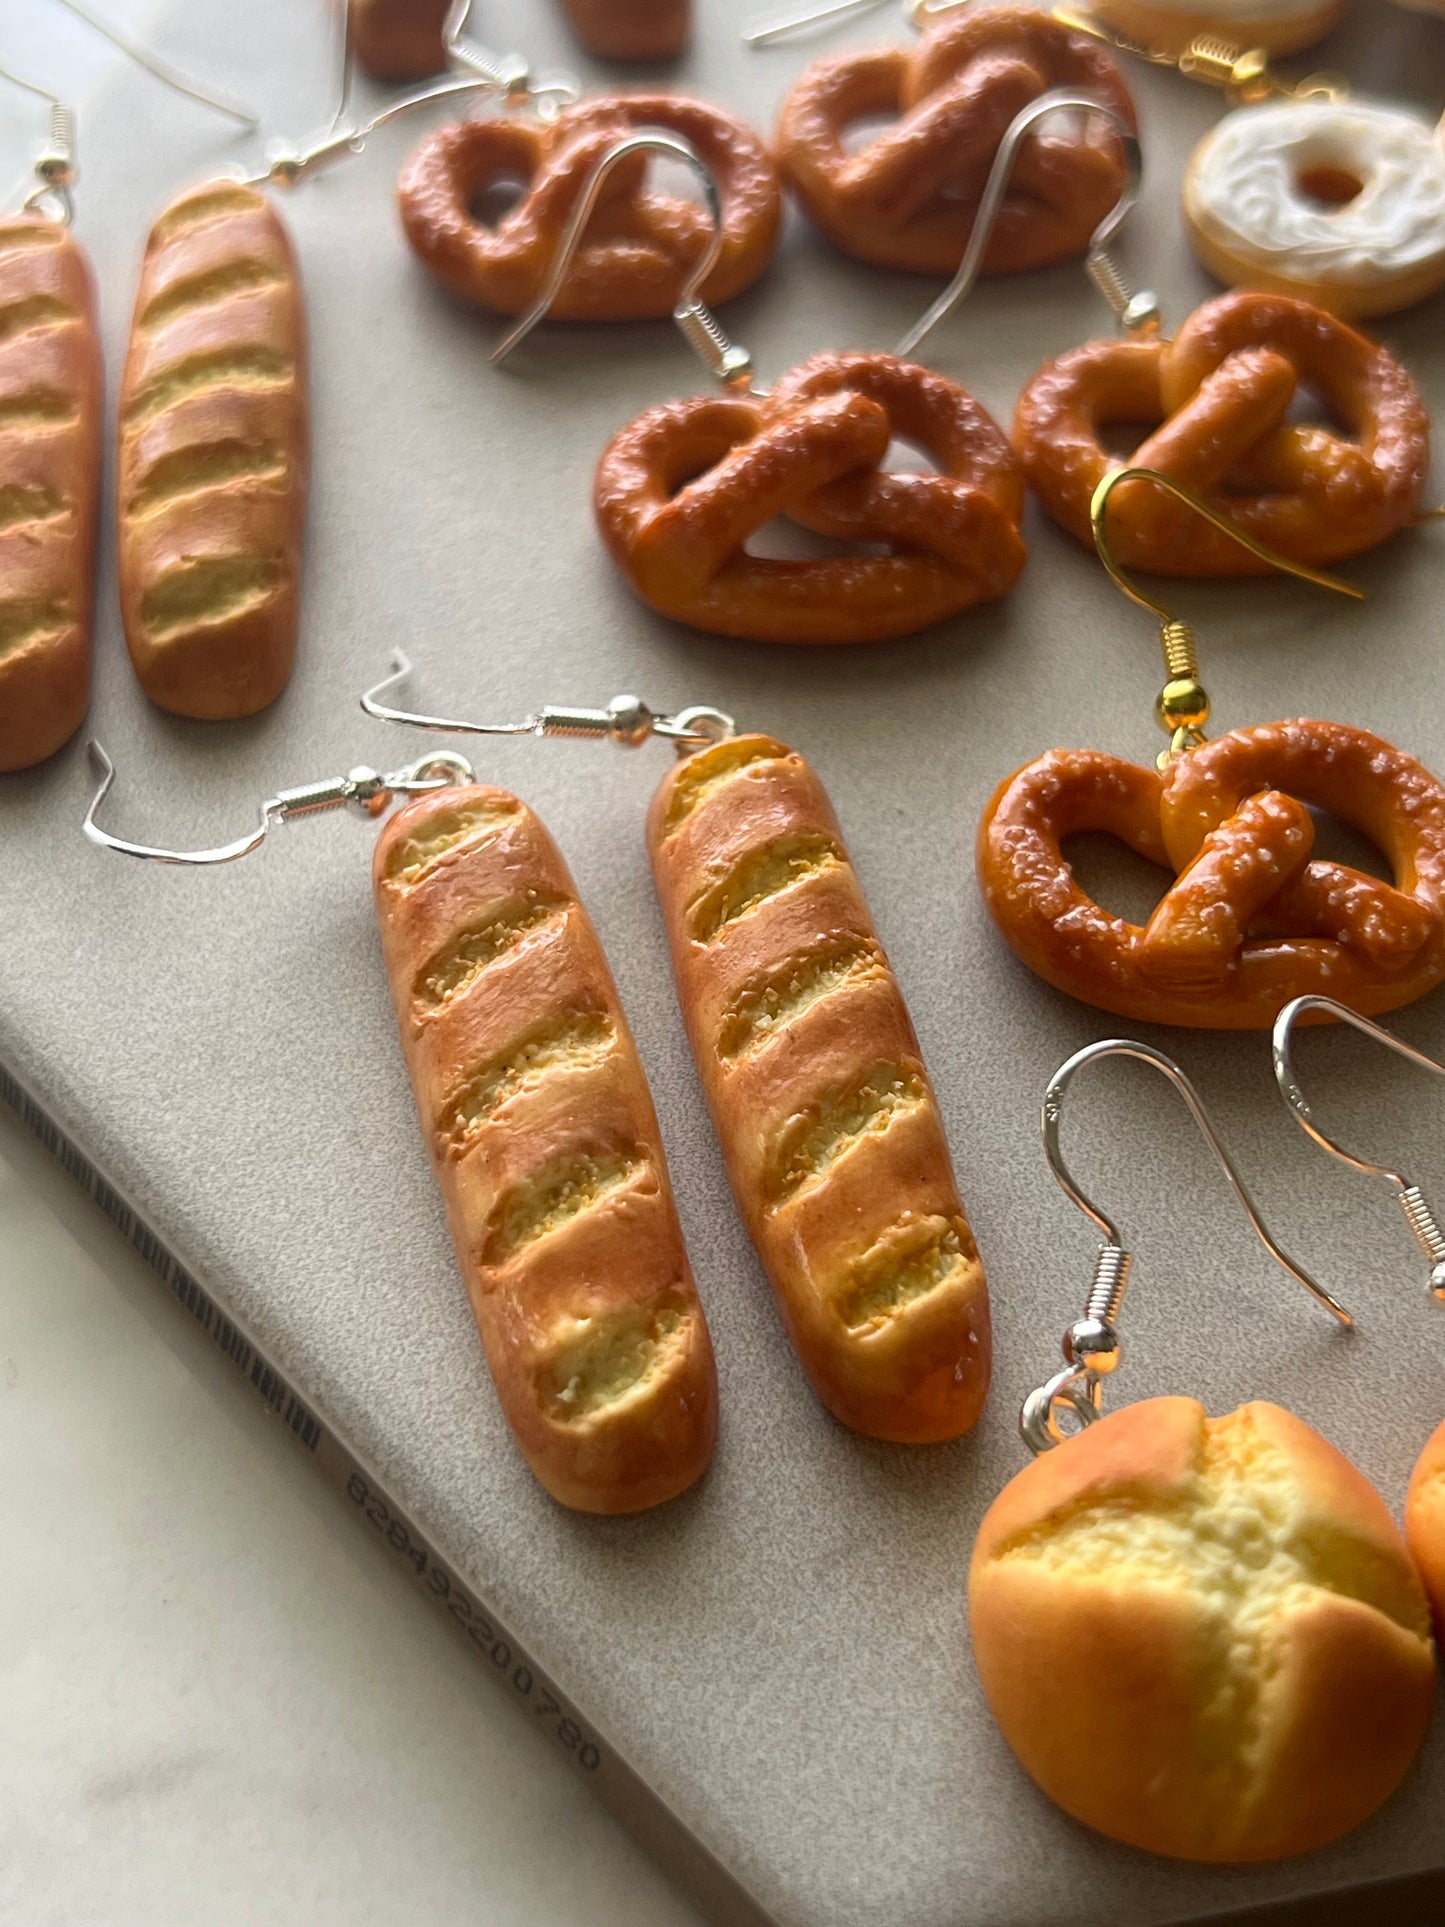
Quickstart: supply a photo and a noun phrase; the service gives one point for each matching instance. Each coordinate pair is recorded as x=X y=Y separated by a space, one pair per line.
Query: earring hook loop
x=1092 y=1346
x=726 y=361
x=362 y=788
x=995 y=188
x=1418 y=1214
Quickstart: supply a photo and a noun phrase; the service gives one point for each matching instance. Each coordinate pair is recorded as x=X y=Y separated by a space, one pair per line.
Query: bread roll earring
x=1425 y=1501
x=1202 y=1637
x=537 y=1117
x=823 y=1109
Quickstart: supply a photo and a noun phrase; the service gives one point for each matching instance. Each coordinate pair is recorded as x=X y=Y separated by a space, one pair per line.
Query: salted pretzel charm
x=680 y=490
x=639 y=246
x=1220 y=392
x=909 y=197
x=1250 y=921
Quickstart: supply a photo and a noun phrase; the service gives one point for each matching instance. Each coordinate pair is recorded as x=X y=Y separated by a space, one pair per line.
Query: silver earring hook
x=763 y=33
x=364 y=789
x=1418 y=1215
x=627 y=720
x=54 y=171
x=1092 y=1346
x=163 y=71
x=991 y=202
x=729 y=363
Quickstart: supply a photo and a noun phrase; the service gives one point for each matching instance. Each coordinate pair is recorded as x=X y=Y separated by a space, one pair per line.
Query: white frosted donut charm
x=1274 y=26
x=1338 y=202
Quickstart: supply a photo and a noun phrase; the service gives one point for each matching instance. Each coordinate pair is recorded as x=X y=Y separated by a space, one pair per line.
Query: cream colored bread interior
x=456 y=966
x=762 y=873
x=791 y=987
x=816 y=1137
x=599 y=1363
x=208 y=368
x=446 y=830
x=550 y=1198
x=709 y=770
x=1233 y=1540
x=887 y=1283
x=572 y=1040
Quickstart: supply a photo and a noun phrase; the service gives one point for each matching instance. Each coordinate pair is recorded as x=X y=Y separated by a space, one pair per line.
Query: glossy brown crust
x=639 y=246
x=1251 y=920
x=821 y=1103
x=536 y=1111
x=213 y=455
x=50 y=403
x=909 y=196
x=631 y=29
x=1171 y=30
x=680 y=490
x=1220 y=393
x=399 y=39
x=1203 y=1637
x=1425 y=1523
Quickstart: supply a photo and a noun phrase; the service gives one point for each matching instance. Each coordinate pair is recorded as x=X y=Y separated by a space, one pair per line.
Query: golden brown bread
x=213 y=456
x=1425 y=1522
x=631 y=29
x=50 y=401
x=1203 y=1636
x=536 y=1110
x=812 y=1073
x=399 y=39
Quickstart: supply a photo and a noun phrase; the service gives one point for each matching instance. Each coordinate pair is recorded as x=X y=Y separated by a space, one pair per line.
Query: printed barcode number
x=207 y=1314
x=449 y=1592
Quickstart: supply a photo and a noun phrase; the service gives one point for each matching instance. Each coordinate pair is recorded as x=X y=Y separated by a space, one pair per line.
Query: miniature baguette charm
x=539 y=1120
x=819 y=1096
x=50 y=401
x=213 y=456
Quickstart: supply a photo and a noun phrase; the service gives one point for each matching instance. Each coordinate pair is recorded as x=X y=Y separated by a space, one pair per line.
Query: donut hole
x=1328 y=186
x=908 y=458
x=491 y=201
x=1119 y=440
x=1119 y=880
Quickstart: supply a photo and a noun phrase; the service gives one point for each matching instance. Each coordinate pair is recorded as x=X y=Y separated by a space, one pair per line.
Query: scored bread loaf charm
x=536 y=1110
x=50 y=401
x=828 y=1127
x=213 y=456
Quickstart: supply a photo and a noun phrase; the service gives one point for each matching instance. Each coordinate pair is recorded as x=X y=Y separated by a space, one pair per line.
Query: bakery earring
x=1176 y=32
x=535 y=1108
x=1202 y=1637
x=807 y=1057
x=1219 y=395
x=908 y=197
x=1249 y=921
x=681 y=489
x=1425 y=1500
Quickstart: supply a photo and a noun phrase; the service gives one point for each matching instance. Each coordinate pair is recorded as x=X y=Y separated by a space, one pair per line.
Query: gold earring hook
x=1183 y=706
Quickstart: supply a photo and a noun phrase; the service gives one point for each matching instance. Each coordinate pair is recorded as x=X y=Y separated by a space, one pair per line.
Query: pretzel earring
x=1425 y=1500
x=1249 y=921
x=1202 y=1637
x=819 y=1096
x=536 y=1112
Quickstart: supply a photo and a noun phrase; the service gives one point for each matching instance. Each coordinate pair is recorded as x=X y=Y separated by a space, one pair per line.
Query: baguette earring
x=1425 y=1500
x=536 y=1112
x=1250 y=920
x=822 y=1106
x=1202 y=1637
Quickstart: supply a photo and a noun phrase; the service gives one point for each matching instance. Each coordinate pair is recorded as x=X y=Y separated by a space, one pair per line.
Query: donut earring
x=1202 y=1637
x=821 y=1103
x=909 y=197
x=535 y=1109
x=1425 y=1500
x=1249 y=921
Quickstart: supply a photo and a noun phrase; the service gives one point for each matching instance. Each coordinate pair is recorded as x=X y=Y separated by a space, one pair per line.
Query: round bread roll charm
x=1256 y=1642
x=1339 y=202
x=1273 y=26
x=908 y=198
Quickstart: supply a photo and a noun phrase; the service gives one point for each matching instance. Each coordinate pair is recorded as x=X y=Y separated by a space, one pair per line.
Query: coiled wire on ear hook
x=1092 y=1345
x=1136 y=312
x=725 y=360
x=1418 y=1214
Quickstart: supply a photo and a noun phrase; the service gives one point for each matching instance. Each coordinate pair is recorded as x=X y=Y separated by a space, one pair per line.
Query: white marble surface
x=219 y=1702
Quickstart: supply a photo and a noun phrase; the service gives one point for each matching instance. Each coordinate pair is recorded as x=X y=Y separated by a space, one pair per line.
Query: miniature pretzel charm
x=1250 y=922
x=909 y=197
x=1220 y=392
x=634 y=259
x=631 y=29
x=682 y=488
